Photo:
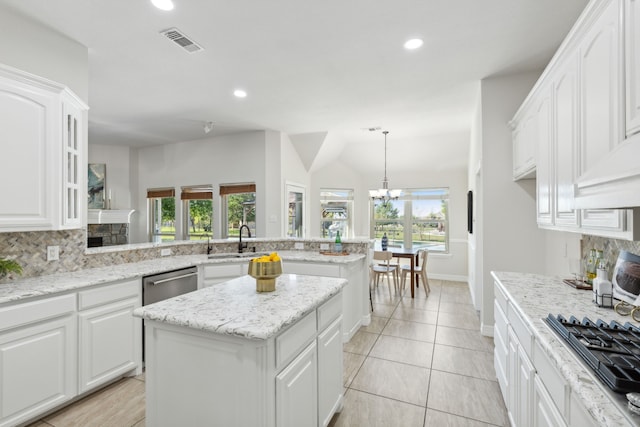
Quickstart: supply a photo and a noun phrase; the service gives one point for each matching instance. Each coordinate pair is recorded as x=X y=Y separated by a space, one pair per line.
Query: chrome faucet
x=241 y=245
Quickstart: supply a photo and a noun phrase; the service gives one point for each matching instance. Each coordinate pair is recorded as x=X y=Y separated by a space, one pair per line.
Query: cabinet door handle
x=170 y=279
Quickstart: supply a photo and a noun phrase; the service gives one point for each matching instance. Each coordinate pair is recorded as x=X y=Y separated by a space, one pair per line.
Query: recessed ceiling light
x=163 y=4
x=413 y=44
x=239 y=93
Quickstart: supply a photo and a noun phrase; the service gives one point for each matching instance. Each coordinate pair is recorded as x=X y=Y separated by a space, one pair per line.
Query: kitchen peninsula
x=228 y=355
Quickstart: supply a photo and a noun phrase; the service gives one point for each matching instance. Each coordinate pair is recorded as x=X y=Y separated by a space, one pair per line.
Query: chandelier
x=384 y=194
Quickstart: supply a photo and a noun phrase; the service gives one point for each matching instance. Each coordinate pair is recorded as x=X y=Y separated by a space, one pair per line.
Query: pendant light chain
x=385 y=157
x=384 y=194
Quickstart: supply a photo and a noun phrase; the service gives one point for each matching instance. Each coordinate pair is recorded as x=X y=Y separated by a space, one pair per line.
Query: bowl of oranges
x=265 y=270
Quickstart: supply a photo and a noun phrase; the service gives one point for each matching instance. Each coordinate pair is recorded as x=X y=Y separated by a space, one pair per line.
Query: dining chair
x=381 y=266
x=419 y=270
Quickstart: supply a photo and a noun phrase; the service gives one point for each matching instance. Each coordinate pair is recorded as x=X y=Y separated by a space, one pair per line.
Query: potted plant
x=9 y=266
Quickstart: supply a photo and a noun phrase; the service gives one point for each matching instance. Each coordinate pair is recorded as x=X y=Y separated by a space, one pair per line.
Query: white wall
x=220 y=160
x=337 y=174
x=294 y=172
x=559 y=248
x=266 y=158
x=340 y=176
x=118 y=182
x=475 y=185
x=510 y=238
x=32 y=47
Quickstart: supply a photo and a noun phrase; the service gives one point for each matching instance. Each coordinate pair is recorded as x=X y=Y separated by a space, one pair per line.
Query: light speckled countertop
x=235 y=308
x=534 y=297
x=65 y=282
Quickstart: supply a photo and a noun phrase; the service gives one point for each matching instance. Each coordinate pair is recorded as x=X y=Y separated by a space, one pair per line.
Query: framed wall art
x=96 y=185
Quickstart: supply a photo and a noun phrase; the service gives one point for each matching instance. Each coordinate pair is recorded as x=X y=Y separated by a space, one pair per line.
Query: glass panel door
x=295 y=210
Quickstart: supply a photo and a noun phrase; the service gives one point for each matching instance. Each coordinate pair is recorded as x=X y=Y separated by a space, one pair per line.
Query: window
x=238 y=208
x=336 y=212
x=162 y=214
x=427 y=226
x=197 y=208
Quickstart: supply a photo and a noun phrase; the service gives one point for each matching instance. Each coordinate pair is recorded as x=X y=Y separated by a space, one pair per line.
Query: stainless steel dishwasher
x=169 y=284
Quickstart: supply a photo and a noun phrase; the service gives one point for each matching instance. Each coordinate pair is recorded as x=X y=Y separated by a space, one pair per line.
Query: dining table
x=412 y=255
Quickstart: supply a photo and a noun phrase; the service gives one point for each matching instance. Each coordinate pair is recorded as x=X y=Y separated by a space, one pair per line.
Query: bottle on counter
x=602 y=287
x=385 y=242
x=591 y=266
x=338 y=245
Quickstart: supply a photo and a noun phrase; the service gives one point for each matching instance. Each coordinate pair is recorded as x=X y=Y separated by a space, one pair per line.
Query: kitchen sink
x=233 y=255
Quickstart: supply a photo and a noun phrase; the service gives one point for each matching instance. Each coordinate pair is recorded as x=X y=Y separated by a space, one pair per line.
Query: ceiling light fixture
x=413 y=44
x=163 y=4
x=208 y=127
x=239 y=93
x=384 y=194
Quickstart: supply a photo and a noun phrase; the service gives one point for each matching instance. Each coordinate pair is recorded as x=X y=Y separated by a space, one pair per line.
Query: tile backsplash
x=610 y=247
x=29 y=249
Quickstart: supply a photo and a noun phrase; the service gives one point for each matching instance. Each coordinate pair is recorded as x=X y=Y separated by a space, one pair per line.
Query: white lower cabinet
x=38 y=354
x=218 y=273
x=110 y=339
x=525 y=388
x=355 y=294
x=535 y=392
x=297 y=391
x=109 y=342
x=330 y=372
x=545 y=413
x=291 y=380
x=54 y=349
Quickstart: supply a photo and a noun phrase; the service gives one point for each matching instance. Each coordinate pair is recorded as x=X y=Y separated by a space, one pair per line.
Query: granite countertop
x=534 y=297
x=235 y=308
x=65 y=282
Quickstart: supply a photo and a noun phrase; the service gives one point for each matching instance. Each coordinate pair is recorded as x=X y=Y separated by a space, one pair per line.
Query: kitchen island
x=227 y=355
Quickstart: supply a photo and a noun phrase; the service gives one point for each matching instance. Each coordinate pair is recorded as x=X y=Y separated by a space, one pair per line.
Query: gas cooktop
x=612 y=350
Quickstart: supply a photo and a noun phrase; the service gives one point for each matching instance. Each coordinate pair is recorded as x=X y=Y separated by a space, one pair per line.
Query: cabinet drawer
x=500 y=363
x=551 y=378
x=290 y=342
x=521 y=330
x=311 y=269
x=109 y=293
x=501 y=321
x=501 y=298
x=30 y=312
x=329 y=311
x=225 y=270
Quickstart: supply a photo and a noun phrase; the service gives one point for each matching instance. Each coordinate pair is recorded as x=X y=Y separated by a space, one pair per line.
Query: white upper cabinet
x=43 y=133
x=565 y=138
x=600 y=88
x=632 y=61
x=579 y=127
x=544 y=165
x=610 y=54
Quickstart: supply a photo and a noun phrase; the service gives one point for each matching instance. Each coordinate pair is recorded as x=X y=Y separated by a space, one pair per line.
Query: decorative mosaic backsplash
x=29 y=249
x=610 y=247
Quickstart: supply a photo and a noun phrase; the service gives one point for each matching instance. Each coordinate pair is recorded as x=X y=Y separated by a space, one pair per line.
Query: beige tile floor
x=421 y=362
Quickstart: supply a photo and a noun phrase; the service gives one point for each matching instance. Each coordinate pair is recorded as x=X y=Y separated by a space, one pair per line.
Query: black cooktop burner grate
x=612 y=350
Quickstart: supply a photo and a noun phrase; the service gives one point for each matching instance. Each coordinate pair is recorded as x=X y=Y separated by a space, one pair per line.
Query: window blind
x=161 y=192
x=236 y=189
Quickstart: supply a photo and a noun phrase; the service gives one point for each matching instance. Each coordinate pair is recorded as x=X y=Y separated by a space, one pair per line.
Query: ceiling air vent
x=181 y=40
